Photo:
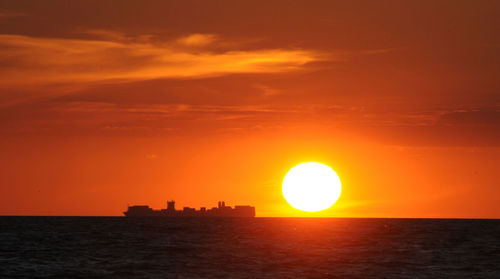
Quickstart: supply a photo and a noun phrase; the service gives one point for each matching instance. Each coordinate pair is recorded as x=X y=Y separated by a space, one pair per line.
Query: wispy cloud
x=197 y=39
x=34 y=60
x=6 y=13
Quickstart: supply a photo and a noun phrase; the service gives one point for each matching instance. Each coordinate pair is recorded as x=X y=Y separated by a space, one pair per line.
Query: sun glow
x=311 y=187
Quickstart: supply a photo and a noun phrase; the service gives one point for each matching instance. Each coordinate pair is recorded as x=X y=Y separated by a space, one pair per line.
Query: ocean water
x=118 y=247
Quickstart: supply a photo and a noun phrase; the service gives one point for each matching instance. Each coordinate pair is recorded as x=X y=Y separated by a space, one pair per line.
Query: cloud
x=472 y=117
x=6 y=14
x=73 y=115
x=28 y=60
x=197 y=40
x=143 y=119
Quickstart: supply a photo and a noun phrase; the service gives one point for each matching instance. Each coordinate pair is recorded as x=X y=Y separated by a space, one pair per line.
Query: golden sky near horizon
x=109 y=103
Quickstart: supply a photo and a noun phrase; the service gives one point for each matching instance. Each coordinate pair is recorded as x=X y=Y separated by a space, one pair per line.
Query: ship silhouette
x=220 y=211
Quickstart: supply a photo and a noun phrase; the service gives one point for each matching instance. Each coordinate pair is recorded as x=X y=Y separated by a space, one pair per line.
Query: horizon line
x=262 y=217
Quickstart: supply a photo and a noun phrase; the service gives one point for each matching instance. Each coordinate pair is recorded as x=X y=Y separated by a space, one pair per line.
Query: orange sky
x=109 y=103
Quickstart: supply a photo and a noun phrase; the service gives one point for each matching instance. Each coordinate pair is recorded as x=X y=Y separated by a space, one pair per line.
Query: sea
x=156 y=247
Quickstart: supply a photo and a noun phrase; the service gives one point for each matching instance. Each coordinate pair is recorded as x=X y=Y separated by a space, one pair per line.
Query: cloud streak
x=34 y=60
x=8 y=14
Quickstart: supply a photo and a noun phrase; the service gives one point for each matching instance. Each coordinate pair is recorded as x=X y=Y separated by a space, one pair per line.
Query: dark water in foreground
x=90 y=247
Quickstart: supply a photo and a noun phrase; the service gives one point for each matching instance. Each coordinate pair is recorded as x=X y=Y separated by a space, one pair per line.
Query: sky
x=110 y=103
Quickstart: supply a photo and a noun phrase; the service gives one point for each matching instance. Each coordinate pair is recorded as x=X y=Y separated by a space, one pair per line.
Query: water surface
x=118 y=247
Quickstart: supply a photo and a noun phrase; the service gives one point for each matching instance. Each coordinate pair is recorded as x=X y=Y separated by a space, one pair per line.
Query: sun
x=311 y=187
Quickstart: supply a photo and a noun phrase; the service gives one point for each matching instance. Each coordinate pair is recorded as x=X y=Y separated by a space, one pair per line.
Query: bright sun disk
x=311 y=187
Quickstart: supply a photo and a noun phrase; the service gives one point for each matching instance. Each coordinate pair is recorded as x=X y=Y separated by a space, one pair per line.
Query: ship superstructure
x=222 y=210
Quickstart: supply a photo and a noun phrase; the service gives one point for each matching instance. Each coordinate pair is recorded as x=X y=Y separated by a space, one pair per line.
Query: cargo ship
x=220 y=211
